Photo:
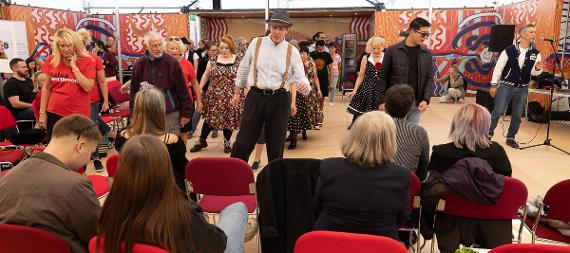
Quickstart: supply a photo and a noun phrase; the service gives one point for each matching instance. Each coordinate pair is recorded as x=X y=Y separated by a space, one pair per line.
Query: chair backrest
x=137 y=247
x=36 y=105
x=7 y=120
x=513 y=197
x=333 y=242
x=112 y=163
x=530 y=248
x=115 y=93
x=556 y=201
x=415 y=188
x=221 y=176
x=16 y=238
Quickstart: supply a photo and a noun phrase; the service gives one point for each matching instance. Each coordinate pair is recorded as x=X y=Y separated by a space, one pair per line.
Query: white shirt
x=502 y=62
x=270 y=66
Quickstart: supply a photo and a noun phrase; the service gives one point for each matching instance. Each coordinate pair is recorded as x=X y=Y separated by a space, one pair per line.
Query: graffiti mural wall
x=458 y=37
x=42 y=23
x=462 y=36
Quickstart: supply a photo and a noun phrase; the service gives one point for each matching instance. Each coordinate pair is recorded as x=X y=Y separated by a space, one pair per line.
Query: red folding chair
x=10 y=155
x=137 y=247
x=23 y=239
x=340 y=242
x=513 y=197
x=111 y=164
x=100 y=185
x=415 y=199
x=118 y=115
x=555 y=206
x=530 y=248
x=220 y=182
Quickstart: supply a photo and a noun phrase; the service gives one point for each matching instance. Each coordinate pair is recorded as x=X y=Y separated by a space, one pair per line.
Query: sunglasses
x=81 y=131
x=423 y=34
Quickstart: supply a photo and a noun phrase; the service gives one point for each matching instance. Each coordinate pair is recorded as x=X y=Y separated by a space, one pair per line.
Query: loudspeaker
x=502 y=36
x=217 y=4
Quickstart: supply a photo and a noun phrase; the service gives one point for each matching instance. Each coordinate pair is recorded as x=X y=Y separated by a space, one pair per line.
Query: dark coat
x=395 y=70
x=285 y=189
x=166 y=75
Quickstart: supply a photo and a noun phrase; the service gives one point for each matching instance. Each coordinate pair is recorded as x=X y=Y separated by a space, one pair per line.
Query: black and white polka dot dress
x=367 y=97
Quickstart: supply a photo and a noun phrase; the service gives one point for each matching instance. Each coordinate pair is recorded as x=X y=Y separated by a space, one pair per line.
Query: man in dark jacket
x=409 y=63
x=163 y=72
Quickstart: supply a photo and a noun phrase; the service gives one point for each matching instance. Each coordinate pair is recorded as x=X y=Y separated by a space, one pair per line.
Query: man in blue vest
x=510 y=80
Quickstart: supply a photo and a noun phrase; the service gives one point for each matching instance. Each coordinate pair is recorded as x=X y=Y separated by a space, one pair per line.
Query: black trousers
x=52 y=118
x=259 y=109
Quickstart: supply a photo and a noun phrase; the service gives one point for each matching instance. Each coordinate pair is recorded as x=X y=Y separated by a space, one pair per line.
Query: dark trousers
x=52 y=118
x=207 y=128
x=259 y=109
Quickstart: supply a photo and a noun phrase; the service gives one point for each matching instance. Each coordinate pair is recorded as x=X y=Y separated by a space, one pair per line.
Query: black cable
x=523 y=143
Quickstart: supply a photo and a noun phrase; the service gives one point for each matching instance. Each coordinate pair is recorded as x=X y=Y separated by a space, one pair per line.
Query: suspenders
x=287 y=63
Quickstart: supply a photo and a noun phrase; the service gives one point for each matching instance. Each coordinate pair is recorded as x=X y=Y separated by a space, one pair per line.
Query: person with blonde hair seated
x=145 y=206
x=364 y=191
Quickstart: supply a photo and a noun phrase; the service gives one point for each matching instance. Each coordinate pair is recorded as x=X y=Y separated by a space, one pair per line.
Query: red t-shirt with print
x=98 y=67
x=189 y=75
x=67 y=97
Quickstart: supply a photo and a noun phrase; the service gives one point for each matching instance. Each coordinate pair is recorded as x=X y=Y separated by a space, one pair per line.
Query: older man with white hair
x=163 y=72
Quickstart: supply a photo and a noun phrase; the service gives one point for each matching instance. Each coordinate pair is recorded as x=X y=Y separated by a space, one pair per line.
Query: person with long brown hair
x=130 y=214
x=72 y=73
x=149 y=117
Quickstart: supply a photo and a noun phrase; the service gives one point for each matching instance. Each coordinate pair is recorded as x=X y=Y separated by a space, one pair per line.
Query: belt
x=268 y=91
x=516 y=85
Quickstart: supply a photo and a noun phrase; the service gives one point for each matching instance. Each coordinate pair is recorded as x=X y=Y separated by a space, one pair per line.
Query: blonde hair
x=371 y=141
x=374 y=41
x=150 y=36
x=177 y=41
x=37 y=78
x=148 y=113
x=229 y=40
x=85 y=36
x=66 y=35
x=470 y=127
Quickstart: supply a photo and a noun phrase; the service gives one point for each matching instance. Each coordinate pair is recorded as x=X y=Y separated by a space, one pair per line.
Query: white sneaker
x=331 y=104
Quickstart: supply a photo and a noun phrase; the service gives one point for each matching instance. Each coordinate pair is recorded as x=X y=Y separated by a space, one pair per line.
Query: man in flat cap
x=270 y=65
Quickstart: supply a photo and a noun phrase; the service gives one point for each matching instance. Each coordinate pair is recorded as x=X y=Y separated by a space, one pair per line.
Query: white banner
x=13 y=34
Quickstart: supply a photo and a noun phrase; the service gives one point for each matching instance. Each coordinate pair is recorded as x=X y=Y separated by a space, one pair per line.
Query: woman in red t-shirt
x=72 y=75
x=176 y=48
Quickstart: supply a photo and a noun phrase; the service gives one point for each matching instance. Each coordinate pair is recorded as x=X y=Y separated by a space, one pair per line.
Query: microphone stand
x=547 y=140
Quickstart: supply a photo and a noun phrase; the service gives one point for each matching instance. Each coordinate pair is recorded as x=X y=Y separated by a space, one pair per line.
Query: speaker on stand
x=502 y=36
x=217 y=4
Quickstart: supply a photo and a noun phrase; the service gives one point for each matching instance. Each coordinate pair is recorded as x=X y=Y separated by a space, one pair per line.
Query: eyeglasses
x=423 y=34
x=173 y=38
x=80 y=132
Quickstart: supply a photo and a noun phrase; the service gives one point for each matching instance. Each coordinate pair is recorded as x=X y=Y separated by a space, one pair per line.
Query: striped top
x=413 y=147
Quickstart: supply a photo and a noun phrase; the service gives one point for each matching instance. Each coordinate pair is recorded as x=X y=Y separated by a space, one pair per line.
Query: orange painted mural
x=42 y=23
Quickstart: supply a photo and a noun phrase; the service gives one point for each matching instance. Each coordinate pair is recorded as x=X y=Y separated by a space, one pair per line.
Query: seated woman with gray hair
x=454 y=89
x=469 y=139
x=364 y=191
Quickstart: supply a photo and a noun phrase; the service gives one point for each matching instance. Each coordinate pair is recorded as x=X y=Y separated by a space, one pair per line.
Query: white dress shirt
x=502 y=62
x=270 y=66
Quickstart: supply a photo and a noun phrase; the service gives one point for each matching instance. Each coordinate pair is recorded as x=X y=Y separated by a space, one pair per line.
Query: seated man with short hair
x=413 y=142
x=19 y=91
x=45 y=192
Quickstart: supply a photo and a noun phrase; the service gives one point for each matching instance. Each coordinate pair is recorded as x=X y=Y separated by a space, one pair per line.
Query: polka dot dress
x=367 y=97
x=301 y=120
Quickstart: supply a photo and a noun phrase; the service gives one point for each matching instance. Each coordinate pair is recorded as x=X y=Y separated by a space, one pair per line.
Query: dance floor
x=539 y=168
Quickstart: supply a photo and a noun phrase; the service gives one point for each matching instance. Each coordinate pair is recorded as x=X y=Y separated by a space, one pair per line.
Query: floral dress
x=315 y=113
x=367 y=97
x=218 y=110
